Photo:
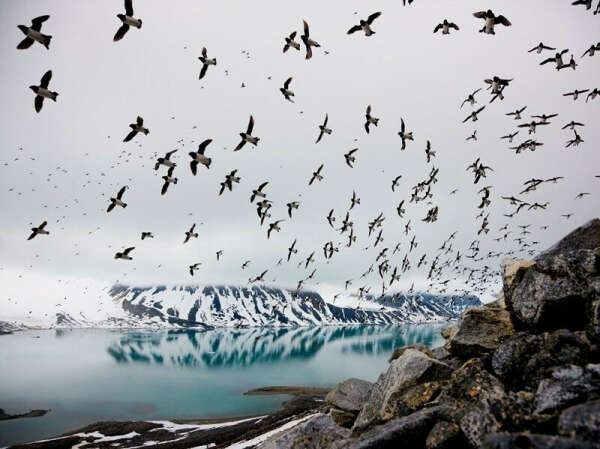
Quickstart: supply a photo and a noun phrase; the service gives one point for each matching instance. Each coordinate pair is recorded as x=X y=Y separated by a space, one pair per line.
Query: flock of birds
x=448 y=263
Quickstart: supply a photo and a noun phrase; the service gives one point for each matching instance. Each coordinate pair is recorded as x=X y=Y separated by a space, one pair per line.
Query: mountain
x=230 y=306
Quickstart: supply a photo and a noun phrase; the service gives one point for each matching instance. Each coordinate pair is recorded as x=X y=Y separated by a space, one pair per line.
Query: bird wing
x=194 y=167
x=306 y=29
x=168 y=155
x=203 y=146
x=326 y=119
x=437 y=27
x=164 y=188
x=36 y=24
x=140 y=121
x=204 y=53
x=128 y=250
x=170 y=171
x=502 y=20
x=128 y=8
x=121 y=192
x=479 y=14
x=203 y=71
x=239 y=145
x=130 y=136
x=46 y=79
x=263 y=185
x=373 y=16
x=123 y=29
x=39 y=101
x=354 y=29
x=453 y=25
x=546 y=61
x=250 y=125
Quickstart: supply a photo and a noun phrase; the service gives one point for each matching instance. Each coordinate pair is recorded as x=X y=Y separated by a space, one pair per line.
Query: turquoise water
x=91 y=375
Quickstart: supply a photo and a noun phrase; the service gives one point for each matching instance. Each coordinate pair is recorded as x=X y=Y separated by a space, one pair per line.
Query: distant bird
x=308 y=42
x=370 y=120
x=166 y=160
x=472 y=136
x=124 y=255
x=445 y=26
x=323 y=129
x=541 y=47
x=194 y=267
x=291 y=206
x=259 y=192
x=147 y=235
x=42 y=91
x=572 y=124
x=470 y=98
x=38 y=231
x=290 y=42
x=245 y=264
x=593 y=94
x=350 y=159
x=557 y=59
x=331 y=218
x=491 y=20
x=429 y=152
x=316 y=176
x=354 y=200
x=474 y=115
x=219 y=254
x=190 y=234
x=592 y=50
x=365 y=25
x=581 y=195
x=198 y=157
x=285 y=90
x=206 y=61
x=532 y=126
x=575 y=94
x=118 y=200
x=137 y=127
x=33 y=34
x=247 y=136
x=395 y=182
x=404 y=135
x=128 y=21
x=517 y=113
x=274 y=227
x=544 y=118
x=230 y=179
x=169 y=179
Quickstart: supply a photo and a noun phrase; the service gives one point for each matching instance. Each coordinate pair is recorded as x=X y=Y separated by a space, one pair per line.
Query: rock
x=568 y=386
x=410 y=369
x=480 y=330
x=581 y=421
x=532 y=441
x=524 y=359
x=471 y=383
x=562 y=288
x=445 y=435
x=479 y=421
x=350 y=395
x=342 y=417
x=418 y=346
x=440 y=353
x=448 y=332
x=318 y=432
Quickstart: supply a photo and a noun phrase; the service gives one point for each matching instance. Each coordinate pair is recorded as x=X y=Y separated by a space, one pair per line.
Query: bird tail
x=54 y=95
x=124 y=204
x=209 y=162
x=47 y=40
x=175 y=181
x=140 y=24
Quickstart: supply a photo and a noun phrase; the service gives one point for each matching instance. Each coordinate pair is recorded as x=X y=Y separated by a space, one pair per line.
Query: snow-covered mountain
x=229 y=306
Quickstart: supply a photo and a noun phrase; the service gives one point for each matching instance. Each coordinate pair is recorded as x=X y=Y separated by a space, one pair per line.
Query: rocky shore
x=522 y=372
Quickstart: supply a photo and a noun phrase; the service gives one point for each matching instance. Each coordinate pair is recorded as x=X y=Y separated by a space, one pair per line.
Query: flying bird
x=42 y=91
x=285 y=90
x=308 y=42
x=323 y=129
x=128 y=21
x=206 y=61
x=350 y=159
x=38 y=231
x=491 y=20
x=118 y=200
x=190 y=234
x=137 y=127
x=290 y=42
x=370 y=120
x=316 y=176
x=169 y=179
x=365 y=25
x=445 y=26
x=124 y=255
x=247 y=136
x=34 y=33
x=166 y=160
x=198 y=157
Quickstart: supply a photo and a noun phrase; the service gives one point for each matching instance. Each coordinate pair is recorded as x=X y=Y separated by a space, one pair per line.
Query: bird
x=124 y=255
x=308 y=42
x=190 y=234
x=247 y=136
x=38 y=230
x=517 y=113
x=581 y=195
x=42 y=91
x=575 y=94
x=291 y=206
x=532 y=126
x=194 y=267
x=323 y=129
x=350 y=159
x=370 y=120
x=169 y=179
x=258 y=192
x=365 y=25
x=404 y=135
x=395 y=182
x=290 y=42
x=429 y=152
x=470 y=98
x=292 y=250
x=219 y=253
x=137 y=127
x=147 y=235
x=118 y=200
x=198 y=157
x=544 y=118
x=316 y=176
x=445 y=26
x=34 y=33
x=206 y=61
x=593 y=94
x=491 y=20
x=354 y=200
x=285 y=90
x=586 y=3
x=473 y=115
x=592 y=50
x=245 y=264
x=540 y=47
x=230 y=179
x=128 y=21
x=166 y=160
x=274 y=227
x=557 y=59
x=472 y=136
x=331 y=218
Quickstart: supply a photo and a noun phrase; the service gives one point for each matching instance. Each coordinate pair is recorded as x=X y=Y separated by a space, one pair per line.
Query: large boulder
x=581 y=421
x=350 y=395
x=409 y=382
x=418 y=346
x=567 y=386
x=445 y=435
x=562 y=288
x=318 y=432
x=480 y=330
x=523 y=359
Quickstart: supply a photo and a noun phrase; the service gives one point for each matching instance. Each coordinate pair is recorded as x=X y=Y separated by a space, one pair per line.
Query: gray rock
x=581 y=421
x=532 y=441
x=568 y=386
x=480 y=330
x=350 y=395
x=411 y=368
x=318 y=432
x=342 y=417
x=418 y=346
x=478 y=422
x=445 y=435
x=562 y=288
x=523 y=359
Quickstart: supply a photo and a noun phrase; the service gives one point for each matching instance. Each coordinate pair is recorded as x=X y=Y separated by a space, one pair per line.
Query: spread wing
x=123 y=29
x=203 y=145
x=479 y=14
x=437 y=28
x=38 y=102
x=306 y=29
x=194 y=167
x=121 y=192
x=354 y=29
x=502 y=20
x=36 y=24
x=164 y=188
x=239 y=145
x=203 y=70
x=250 y=125
x=168 y=155
x=128 y=8
x=46 y=79
x=287 y=83
x=28 y=42
x=130 y=136
x=373 y=16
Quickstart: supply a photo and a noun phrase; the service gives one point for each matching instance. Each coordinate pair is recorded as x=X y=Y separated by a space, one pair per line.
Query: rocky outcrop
x=522 y=372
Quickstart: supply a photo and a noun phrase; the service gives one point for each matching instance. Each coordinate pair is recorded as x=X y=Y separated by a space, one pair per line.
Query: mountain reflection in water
x=226 y=347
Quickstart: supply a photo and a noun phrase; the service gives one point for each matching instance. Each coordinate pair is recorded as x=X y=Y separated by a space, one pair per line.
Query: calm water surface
x=91 y=375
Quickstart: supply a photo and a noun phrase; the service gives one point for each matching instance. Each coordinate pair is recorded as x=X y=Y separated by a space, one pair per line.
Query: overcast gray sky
x=73 y=158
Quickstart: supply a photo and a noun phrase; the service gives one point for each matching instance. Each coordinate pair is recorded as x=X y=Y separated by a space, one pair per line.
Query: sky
x=63 y=164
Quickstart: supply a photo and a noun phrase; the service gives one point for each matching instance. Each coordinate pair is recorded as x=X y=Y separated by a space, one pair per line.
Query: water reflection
x=222 y=348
